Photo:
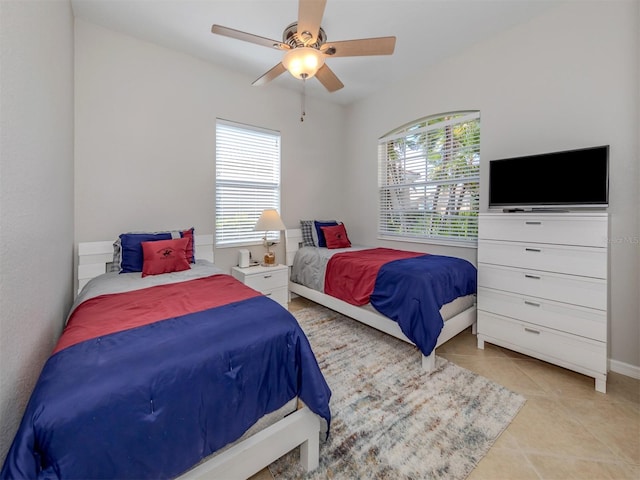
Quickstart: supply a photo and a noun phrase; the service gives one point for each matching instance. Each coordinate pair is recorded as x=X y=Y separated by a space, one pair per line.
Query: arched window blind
x=247 y=181
x=429 y=180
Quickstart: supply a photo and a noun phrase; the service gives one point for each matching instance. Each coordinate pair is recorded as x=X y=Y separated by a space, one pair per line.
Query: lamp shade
x=303 y=62
x=270 y=220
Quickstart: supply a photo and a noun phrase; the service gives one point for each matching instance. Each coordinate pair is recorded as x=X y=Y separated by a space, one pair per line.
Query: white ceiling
x=427 y=31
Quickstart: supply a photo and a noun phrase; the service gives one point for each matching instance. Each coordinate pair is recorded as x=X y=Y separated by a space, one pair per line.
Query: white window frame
x=429 y=188
x=247 y=170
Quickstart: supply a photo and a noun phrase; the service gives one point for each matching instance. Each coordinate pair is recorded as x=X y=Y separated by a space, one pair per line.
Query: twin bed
x=185 y=372
x=407 y=296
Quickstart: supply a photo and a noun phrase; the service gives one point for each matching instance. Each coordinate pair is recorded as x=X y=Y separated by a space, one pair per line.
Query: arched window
x=429 y=180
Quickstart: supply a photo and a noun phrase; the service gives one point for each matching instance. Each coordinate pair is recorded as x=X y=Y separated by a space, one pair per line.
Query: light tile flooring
x=566 y=430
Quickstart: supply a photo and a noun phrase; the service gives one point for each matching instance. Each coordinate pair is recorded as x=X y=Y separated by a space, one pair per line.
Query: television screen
x=573 y=178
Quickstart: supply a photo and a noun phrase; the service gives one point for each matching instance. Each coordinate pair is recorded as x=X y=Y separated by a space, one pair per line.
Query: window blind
x=429 y=179
x=247 y=181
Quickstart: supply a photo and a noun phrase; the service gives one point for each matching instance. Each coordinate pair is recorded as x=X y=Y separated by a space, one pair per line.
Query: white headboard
x=94 y=257
x=293 y=243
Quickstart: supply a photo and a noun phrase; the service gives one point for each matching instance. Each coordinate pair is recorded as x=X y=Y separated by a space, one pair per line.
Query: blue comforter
x=412 y=291
x=151 y=402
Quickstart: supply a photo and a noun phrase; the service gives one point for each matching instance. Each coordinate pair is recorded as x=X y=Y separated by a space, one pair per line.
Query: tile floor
x=566 y=430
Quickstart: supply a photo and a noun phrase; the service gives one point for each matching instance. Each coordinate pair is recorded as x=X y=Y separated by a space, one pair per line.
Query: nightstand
x=270 y=281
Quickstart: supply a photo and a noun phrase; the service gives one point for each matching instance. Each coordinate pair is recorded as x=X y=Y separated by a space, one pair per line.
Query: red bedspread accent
x=116 y=312
x=351 y=276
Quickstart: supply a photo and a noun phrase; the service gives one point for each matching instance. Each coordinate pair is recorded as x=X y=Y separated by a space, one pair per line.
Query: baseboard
x=624 y=369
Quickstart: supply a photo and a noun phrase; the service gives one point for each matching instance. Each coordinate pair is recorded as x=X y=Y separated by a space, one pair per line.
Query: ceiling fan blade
x=362 y=47
x=309 y=18
x=270 y=75
x=329 y=79
x=249 y=37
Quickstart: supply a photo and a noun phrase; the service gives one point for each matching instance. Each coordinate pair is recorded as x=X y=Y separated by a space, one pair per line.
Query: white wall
x=567 y=79
x=145 y=123
x=36 y=195
x=145 y=139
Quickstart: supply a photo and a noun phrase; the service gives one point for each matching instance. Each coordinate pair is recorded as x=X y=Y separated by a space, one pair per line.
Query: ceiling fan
x=306 y=48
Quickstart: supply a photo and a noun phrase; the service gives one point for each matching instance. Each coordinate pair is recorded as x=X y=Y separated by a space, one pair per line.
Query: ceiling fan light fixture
x=303 y=62
x=305 y=48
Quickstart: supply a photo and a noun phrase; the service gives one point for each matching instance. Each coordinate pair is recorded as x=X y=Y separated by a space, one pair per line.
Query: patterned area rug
x=390 y=419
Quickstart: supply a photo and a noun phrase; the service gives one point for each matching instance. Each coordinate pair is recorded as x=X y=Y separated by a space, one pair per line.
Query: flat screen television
x=558 y=180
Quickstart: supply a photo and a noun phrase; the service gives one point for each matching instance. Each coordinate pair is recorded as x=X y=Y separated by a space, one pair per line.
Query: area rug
x=390 y=420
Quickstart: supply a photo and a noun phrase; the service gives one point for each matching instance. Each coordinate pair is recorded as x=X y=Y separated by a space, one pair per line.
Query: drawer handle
x=267 y=276
x=533 y=277
x=533 y=223
x=532 y=304
x=531 y=330
x=532 y=250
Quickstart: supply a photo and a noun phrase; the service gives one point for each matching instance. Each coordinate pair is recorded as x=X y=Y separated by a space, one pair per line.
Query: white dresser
x=271 y=281
x=542 y=287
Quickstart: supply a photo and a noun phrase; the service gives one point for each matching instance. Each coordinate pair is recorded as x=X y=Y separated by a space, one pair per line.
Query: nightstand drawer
x=280 y=295
x=266 y=281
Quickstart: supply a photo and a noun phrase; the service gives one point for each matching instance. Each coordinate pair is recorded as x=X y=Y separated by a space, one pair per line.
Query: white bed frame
x=452 y=326
x=246 y=457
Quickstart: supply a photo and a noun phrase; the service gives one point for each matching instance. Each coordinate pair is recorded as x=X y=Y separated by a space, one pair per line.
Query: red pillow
x=164 y=256
x=336 y=236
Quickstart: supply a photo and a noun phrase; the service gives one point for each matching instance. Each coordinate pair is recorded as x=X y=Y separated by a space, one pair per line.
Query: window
x=429 y=180
x=247 y=181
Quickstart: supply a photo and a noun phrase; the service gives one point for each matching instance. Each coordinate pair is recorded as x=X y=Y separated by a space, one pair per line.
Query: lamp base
x=269 y=259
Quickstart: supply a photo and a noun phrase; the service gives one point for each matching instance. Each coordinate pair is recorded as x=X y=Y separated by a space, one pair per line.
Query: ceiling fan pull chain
x=302 y=107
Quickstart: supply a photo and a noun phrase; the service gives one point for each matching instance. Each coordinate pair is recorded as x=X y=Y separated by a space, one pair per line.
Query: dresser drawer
x=585 y=322
x=581 y=354
x=555 y=229
x=584 y=261
x=586 y=292
x=267 y=281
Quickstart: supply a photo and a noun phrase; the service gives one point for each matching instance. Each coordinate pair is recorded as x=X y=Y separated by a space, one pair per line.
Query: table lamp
x=269 y=221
